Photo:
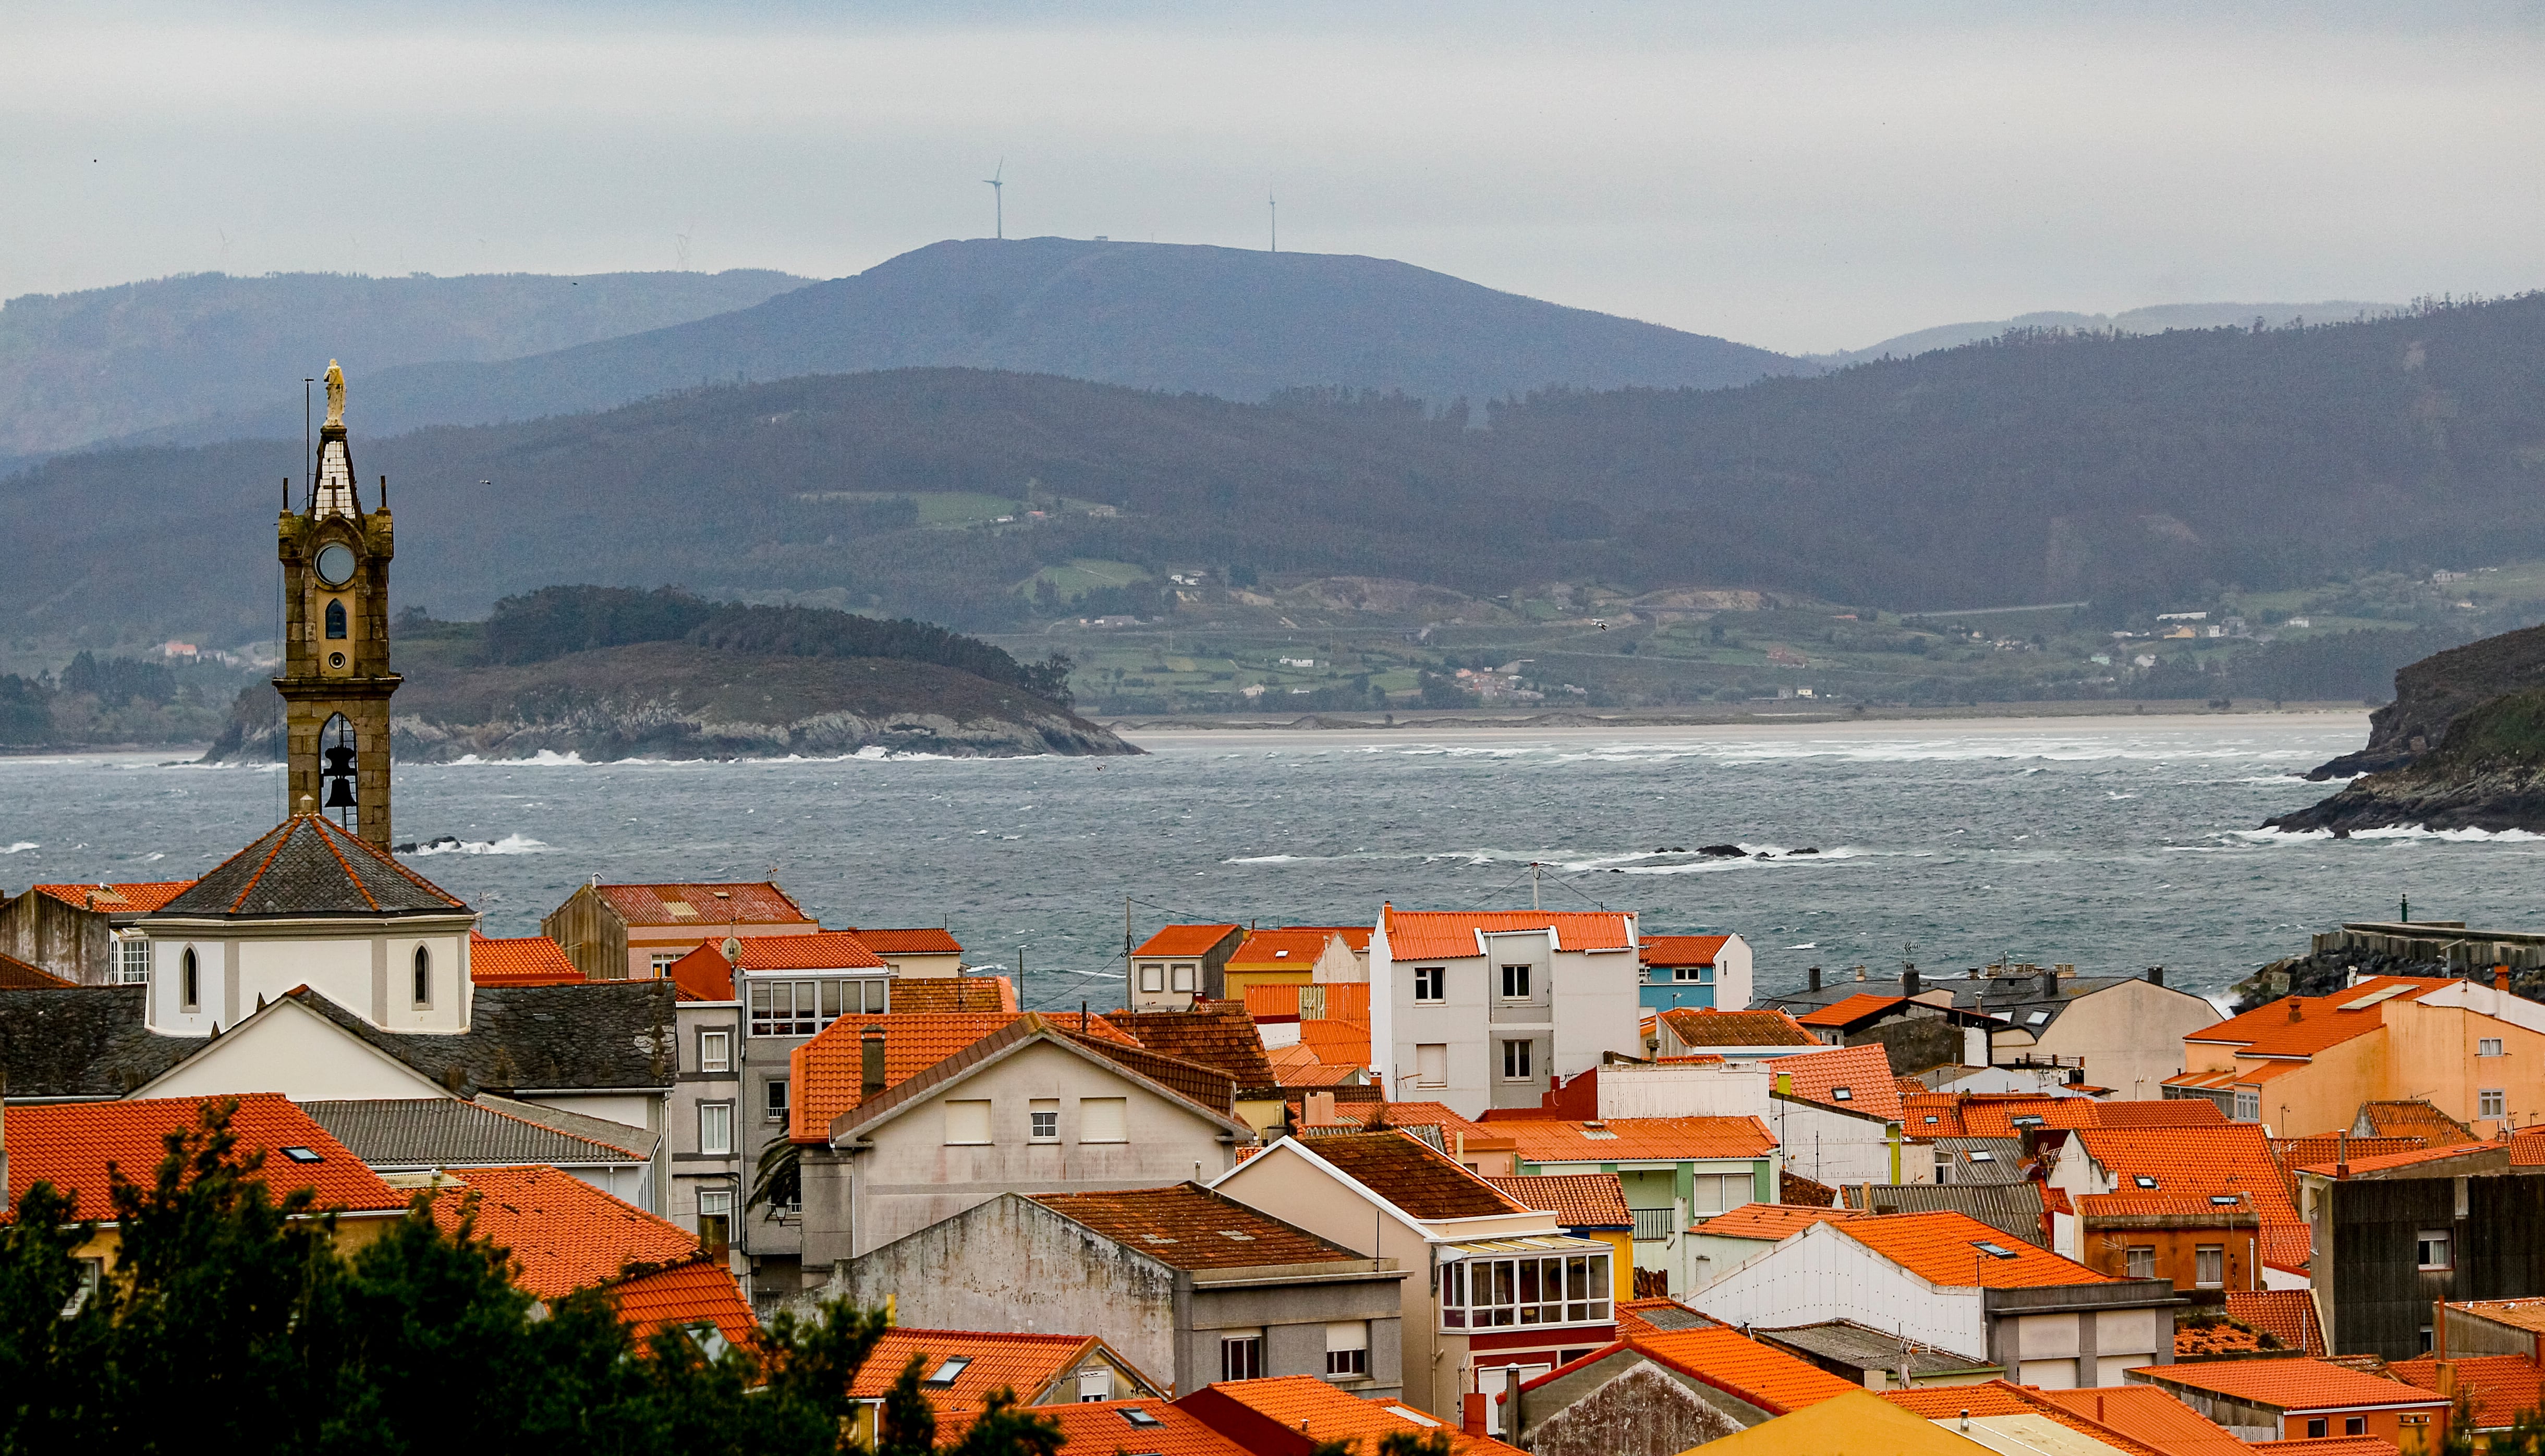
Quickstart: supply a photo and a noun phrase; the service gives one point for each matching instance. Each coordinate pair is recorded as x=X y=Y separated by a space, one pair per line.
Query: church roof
x=307 y=866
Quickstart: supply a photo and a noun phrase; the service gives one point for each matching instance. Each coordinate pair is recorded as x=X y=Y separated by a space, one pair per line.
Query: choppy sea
x=2113 y=843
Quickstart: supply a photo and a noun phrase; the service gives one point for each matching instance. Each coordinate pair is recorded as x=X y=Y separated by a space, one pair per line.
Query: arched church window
x=335 y=621
x=192 y=974
x=423 y=977
x=336 y=756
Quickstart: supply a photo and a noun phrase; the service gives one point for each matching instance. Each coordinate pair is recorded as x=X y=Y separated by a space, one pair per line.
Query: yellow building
x=1852 y=1424
x=1290 y=957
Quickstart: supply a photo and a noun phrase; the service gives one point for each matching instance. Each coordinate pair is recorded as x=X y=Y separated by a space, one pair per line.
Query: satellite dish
x=732 y=950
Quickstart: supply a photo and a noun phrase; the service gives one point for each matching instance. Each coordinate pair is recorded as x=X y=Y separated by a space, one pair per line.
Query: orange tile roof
x=2504 y=1386
x=1356 y=936
x=828 y=1071
x=2329 y=1446
x=564 y=1233
x=2522 y=1314
x=1729 y=1360
x=2293 y=1154
x=2209 y=1341
x=685 y=1296
x=1407 y=1173
x=1308 y=1071
x=2157 y=1112
x=2152 y=1418
x=1343 y=1000
x=2200 y=1164
x=2414 y=1119
x=703 y=974
x=1701 y=1026
x=1579 y=1201
x=743 y=902
x=1682 y=950
x=2294 y=1384
x=2268 y=1031
x=18 y=975
x=1637 y=1139
x=1189 y=1227
x=1426 y=934
x=519 y=960
x=73 y=1145
x=1193 y=940
x=2003 y=1398
x=1337 y=1043
x=1094 y=1428
x=2384 y=1162
x=1862 y=1073
x=2286 y=1314
x=1018 y=1360
x=1418 y=1115
x=132 y=897
x=2527 y=1148
x=1281 y=950
x=1307 y=1405
x=1844 y=1013
x=953 y=994
x=822 y=950
x=918 y=941
x=1942 y=1248
x=1772 y=1221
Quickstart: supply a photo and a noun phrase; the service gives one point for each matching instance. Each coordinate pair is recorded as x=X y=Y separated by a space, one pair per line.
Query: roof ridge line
x=359 y=888
x=282 y=835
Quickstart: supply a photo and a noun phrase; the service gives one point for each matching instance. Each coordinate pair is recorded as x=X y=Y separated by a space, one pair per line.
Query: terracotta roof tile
x=1944 y=1248
x=2416 y=1118
x=1308 y=1404
x=2293 y=1154
x=2527 y=1148
x=2200 y=1163
x=2330 y=1447
x=2211 y=1342
x=693 y=905
x=1215 y=1033
x=519 y=960
x=1280 y=951
x=1192 y=941
x=2152 y=1418
x=2158 y=1112
x=919 y=940
x=132 y=897
x=1619 y=1139
x=822 y=950
x=564 y=1233
x=2321 y=1024
x=1760 y=1374
x=1424 y=934
x=1695 y=1026
x=1417 y=1115
x=1336 y=1001
x=2522 y=1314
x=1356 y=936
x=1579 y=1201
x=18 y=975
x=2286 y=1314
x=72 y=1145
x=1861 y=1005
x=1659 y=1315
x=2002 y=1397
x=1159 y=1429
x=1337 y=1043
x=953 y=994
x=829 y=1070
x=1407 y=1173
x=1308 y=1071
x=2293 y=1384
x=2384 y=1162
x=1772 y=1221
x=1856 y=1077
x=1189 y=1227
x=1682 y=950
x=2504 y=1386
x=1022 y=1361
x=703 y=974
x=685 y=1296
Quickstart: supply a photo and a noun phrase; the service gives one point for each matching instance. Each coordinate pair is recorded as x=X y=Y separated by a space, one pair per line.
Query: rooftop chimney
x=1859 y=972
x=1317 y=1109
x=2296 y=1013
x=2156 y=975
x=870 y=1063
x=2050 y=983
x=1909 y=982
x=2501 y=978
x=1815 y=977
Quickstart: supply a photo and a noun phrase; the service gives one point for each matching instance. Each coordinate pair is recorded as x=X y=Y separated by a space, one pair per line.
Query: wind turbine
x=998 y=196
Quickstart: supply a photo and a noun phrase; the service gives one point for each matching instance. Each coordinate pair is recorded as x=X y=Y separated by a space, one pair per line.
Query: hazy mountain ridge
x=189 y=351
x=2152 y=320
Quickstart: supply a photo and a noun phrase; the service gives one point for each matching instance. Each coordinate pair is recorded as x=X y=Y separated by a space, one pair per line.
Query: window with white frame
x=133 y=960
x=1692 y=973
x=1241 y=1354
x=968 y=1121
x=1432 y=1064
x=2248 y=1105
x=1716 y=1192
x=716 y=1051
x=716 y=1128
x=716 y=1215
x=1104 y=1120
x=1096 y=1383
x=774 y=1100
x=1042 y=1121
x=660 y=962
x=1430 y=983
x=1555 y=1289
x=793 y=1008
x=2209 y=1266
x=1181 y=978
x=1517 y=1062
x=2492 y=1101
x=2139 y=1262
x=2487 y=1046
x=2430 y=1250
x=1515 y=983
x=1348 y=1348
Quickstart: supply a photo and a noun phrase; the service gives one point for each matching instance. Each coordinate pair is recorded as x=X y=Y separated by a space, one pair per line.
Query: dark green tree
x=909 y=1427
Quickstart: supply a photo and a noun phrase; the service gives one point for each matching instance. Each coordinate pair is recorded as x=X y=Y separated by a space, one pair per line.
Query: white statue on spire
x=335 y=395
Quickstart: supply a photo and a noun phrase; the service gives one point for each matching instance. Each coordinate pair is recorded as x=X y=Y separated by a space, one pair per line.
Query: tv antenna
x=998 y=198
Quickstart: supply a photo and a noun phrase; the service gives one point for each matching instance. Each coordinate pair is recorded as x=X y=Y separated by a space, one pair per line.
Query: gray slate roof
x=1861 y=1348
x=84 y=1041
x=309 y=865
x=2010 y=1208
x=441 y=1132
x=2010 y=998
x=2003 y=1164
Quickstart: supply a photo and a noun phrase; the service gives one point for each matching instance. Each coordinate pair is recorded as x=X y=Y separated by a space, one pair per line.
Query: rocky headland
x=2461 y=747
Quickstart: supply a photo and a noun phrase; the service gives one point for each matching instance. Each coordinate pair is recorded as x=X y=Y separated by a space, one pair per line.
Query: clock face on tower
x=335 y=563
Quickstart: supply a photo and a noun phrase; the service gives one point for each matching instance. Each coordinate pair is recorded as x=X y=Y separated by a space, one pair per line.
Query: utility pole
x=1275 y=206
x=1536 y=870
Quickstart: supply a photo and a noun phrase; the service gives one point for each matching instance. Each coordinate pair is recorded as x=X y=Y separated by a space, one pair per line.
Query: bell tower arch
x=336 y=679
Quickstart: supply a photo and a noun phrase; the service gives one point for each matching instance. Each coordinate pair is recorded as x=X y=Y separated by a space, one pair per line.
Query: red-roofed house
x=918 y=953
x=84 y=934
x=1680 y=1389
x=2204 y=1207
x=1290 y=958
x=2304 y=1399
x=519 y=960
x=1292 y=1415
x=1482 y=1009
x=1587 y=1205
x=961 y=1368
x=1710 y=972
x=2306 y=1064
x=2459 y=1222
x=1179 y=965
x=618 y=933
x=1948 y=1280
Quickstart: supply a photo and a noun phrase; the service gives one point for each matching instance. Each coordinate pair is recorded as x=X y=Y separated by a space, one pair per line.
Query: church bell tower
x=336 y=679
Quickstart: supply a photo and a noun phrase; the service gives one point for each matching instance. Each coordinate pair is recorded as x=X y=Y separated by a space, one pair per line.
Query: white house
x=1478 y=1010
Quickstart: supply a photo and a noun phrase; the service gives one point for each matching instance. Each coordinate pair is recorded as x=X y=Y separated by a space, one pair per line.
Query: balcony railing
x=1654 y=1223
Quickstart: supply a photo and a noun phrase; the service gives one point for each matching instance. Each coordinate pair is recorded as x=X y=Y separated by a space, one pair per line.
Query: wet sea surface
x=2113 y=843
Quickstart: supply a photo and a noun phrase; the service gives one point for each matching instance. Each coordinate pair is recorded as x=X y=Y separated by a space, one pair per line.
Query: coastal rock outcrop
x=2487 y=772
x=2434 y=693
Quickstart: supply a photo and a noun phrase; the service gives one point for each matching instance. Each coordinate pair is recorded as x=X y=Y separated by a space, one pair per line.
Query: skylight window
x=1240 y=1238
x=2028 y=1119
x=1931 y=1119
x=304 y=1154
x=1598 y=1132
x=2144 y=1181
x=1982 y=1155
x=2224 y=1200
x=1841 y=1095
x=2036 y=1018
x=1992 y=1248
x=1141 y=1420
x=948 y=1373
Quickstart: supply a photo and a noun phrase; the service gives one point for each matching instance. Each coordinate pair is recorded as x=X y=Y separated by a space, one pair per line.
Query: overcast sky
x=1794 y=175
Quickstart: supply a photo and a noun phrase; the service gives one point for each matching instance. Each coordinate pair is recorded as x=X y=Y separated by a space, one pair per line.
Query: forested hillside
x=2043 y=468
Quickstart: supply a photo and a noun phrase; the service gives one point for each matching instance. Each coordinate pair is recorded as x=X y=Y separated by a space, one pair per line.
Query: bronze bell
x=340 y=794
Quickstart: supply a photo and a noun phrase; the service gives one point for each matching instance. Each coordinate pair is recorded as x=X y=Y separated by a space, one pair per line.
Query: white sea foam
x=2393 y=832
x=20 y=847
x=511 y=844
